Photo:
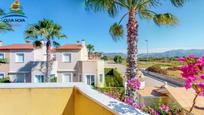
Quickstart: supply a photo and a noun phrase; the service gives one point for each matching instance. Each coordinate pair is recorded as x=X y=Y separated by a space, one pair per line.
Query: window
x=66 y=57
x=2 y=56
x=1 y=75
x=39 y=79
x=20 y=57
x=67 y=77
x=101 y=78
x=90 y=80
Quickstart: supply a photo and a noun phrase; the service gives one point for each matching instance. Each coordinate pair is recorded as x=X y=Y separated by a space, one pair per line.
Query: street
x=150 y=81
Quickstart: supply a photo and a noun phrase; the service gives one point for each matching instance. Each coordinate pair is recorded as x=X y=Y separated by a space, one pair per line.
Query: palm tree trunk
x=48 y=47
x=132 y=48
x=132 y=45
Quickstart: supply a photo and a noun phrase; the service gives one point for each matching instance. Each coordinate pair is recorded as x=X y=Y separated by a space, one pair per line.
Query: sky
x=78 y=23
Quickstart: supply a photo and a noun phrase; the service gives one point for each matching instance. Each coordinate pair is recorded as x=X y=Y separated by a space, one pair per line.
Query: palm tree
x=90 y=48
x=4 y=26
x=45 y=30
x=134 y=8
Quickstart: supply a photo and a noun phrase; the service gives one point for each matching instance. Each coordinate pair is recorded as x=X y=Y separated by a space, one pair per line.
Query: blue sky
x=77 y=24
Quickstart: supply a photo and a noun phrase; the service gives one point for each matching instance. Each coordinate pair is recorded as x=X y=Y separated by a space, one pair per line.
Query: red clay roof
x=70 y=47
x=17 y=47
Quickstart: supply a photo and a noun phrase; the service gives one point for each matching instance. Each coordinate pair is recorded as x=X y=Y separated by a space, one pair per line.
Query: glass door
x=90 y=79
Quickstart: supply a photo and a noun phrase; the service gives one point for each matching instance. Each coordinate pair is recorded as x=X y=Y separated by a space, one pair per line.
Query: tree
x=45 y=30
x=105 y=58
x=4 y=26
x=118 y=59
x=90 y=48
x=134 y=8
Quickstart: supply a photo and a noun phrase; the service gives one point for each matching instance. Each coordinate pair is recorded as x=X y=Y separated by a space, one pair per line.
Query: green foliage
x=113 y=78
x=116 y=31
x=157 y=69
x=105 y=58
x=115 y=92
x=5 y=80
x=173 y=109
x=118 y=59
x=163 y=59
x=53 y=79
x=142 y=7
x=90 y=48
x=3 y=60
x=44 y=30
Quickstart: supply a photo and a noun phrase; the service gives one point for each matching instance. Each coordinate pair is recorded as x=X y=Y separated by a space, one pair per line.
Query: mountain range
x=176 y=53
x=170 y=53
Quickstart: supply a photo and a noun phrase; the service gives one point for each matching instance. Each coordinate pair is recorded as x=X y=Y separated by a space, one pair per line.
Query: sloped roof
x=185 y=99
x=70 y=47
x=17 y=47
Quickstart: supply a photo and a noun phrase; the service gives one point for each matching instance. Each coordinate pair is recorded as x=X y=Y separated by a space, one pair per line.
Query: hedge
x=113 y=78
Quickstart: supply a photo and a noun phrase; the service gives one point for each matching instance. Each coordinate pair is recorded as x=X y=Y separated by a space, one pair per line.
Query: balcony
x=59 y=99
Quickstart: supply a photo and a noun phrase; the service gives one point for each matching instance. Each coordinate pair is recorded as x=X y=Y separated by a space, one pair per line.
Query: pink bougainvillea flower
x=201 y=85
x=129 y=100
x=138 y=106
x=202 y=76
x=200 y=61
x=188 y=84
x=134 y=84
x=182 y=59
x=191 y=56
x=188 y=70
x=165 y=108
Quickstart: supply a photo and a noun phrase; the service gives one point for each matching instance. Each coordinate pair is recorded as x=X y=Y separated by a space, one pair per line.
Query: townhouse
x=69 y=63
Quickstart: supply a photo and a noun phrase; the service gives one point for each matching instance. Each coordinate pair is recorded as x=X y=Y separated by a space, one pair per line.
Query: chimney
x=1 y=43
x=83 y=42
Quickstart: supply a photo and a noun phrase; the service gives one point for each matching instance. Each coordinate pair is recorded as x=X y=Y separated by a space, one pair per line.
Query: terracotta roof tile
x=17 y=47
x=70 y=47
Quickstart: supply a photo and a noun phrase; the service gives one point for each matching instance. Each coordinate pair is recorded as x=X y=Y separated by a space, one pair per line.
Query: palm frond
x=5 y=27
x=165 y=19
x=146 y=14
x=111 y=6
x=37 y=43
x=116 y=31
x=2 y=12
x=56 y=44
x=31 y=33
x=178 y=3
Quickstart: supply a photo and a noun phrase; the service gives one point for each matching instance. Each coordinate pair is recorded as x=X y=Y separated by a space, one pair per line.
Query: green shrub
x=118 y=59
x=3 y=60
x=53 y=79
x=157 y=69
x=113 y=78
x=5 y=80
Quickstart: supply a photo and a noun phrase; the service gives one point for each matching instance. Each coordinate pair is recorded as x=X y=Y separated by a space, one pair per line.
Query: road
x=150 y=81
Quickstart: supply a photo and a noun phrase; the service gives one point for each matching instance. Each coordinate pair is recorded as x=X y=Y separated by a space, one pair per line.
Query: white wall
x=25 y=66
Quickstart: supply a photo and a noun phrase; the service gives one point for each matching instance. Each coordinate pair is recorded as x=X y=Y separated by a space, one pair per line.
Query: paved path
x=150 y=80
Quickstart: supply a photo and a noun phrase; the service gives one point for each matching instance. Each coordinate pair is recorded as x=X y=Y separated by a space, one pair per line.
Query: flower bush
x=193 y=73
x=133 y=84
x=162 y=109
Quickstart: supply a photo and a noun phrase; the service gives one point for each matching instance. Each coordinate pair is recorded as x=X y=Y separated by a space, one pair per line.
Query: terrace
x=59 y=99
